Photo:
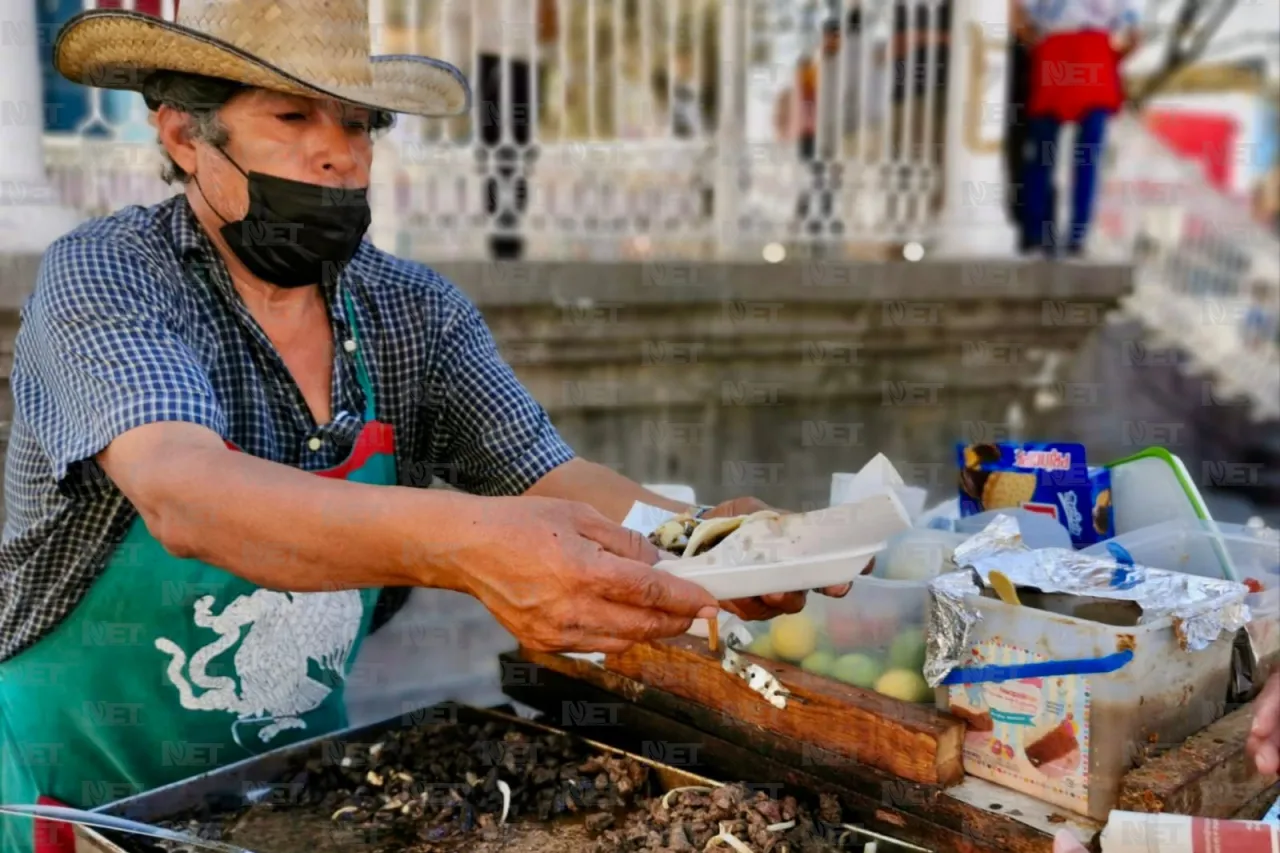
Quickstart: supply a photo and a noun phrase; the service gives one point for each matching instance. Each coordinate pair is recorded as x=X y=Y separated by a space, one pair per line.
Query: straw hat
x=312 y=48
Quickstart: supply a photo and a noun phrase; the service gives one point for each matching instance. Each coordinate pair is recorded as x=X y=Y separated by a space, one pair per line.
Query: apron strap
x=362 y=372
x=52 y=836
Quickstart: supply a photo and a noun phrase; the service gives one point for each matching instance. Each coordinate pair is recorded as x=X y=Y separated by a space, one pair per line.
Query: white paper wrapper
x=876 y=476
x=674 y=492
x=644 y=519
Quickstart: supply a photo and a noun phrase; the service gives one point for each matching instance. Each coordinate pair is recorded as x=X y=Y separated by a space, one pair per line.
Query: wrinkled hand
x=764 y=607
x=1263 y=744
x=561 y=577
x=1065 y=842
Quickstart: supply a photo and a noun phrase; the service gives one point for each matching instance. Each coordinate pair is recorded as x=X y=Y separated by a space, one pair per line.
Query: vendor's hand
x=561 y=577
x=1065 y=842
x=764 y=607
x=1263 y=744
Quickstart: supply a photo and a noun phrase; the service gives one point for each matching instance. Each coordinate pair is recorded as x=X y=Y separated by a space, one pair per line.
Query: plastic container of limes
x=873 y=638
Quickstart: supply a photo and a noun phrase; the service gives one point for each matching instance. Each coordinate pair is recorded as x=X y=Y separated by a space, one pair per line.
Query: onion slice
x=701 y=789
x=730 y=839
x=506 y=800
x=857 y=830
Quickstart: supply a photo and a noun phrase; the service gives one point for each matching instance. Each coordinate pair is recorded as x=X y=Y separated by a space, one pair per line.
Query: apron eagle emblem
x=286 y=633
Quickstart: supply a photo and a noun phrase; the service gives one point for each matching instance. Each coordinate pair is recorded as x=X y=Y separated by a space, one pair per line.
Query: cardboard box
x=1052 y=478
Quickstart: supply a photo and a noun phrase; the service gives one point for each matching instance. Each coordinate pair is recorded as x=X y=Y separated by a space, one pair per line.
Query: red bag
x=1073 y=74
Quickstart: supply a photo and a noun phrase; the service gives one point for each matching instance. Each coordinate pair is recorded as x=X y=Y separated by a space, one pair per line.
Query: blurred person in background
x=1259 y=326
x=1266 y=199
x=827 y=93
x=1016 y=128
x=220 y=402
x=820 y=139
x=677 y=103
x=1076 y=52
x=681 y=118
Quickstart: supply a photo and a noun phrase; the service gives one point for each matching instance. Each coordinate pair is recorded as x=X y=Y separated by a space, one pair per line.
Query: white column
x=31 y=216
x=384 y=230
x=731 y=129
x=973 y=221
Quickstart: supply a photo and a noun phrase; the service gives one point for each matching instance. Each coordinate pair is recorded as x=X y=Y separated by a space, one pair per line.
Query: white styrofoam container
x=799 y=551
x=1158 y=697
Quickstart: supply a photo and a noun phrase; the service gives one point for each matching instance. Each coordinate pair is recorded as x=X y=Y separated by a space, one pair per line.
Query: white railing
x=1202 y=263
x=655 y=127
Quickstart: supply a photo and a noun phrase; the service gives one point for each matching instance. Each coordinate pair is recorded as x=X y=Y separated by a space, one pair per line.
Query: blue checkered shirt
x=134 y=319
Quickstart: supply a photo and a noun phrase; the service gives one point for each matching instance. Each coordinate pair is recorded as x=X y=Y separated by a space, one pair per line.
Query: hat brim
x=116 y=49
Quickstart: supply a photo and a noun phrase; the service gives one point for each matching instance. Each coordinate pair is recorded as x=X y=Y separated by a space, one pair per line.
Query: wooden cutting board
x=972 y=817
x=909 y=741
x=1206 y=775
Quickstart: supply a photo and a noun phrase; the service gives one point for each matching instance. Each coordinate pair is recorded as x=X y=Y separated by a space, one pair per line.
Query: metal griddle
x=242 y=784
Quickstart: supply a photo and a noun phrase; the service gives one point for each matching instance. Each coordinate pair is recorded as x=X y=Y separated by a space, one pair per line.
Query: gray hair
x=201 y=98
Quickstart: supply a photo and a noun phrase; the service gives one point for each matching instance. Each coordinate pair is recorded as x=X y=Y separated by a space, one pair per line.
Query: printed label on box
x=1030 y=734
x=1051 y=478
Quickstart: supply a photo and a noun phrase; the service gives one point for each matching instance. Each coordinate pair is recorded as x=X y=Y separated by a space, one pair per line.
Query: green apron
x=169 y=668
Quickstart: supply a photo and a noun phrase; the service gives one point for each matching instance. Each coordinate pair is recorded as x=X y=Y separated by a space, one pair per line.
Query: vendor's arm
x=118 y=387
x=600 y=486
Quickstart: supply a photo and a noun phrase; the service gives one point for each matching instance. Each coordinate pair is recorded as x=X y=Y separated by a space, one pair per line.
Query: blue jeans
x=1039 y=225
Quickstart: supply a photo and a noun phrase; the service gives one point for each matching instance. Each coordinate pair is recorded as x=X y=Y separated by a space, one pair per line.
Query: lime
x=794 y=636
x=908 y=650
x=858 y=670
x=904 y=684
x=819 y=663
x=761 y=646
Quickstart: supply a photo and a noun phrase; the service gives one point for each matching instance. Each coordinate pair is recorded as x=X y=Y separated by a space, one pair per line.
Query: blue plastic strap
x=1122 y=577
x=1083 y=666
x=1122 y=555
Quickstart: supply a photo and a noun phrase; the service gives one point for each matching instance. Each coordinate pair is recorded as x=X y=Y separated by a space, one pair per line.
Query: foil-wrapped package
x=1202 y=609
x=999 y=537
x=949 y=621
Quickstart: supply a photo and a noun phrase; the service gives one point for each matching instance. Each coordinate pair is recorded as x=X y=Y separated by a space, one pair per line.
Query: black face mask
x=296 y=234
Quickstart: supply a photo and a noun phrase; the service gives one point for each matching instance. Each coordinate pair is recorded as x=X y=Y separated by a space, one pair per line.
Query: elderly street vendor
x=217 y=399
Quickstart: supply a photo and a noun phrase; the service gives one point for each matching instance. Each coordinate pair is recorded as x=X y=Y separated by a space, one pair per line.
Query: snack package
x=1051 y=478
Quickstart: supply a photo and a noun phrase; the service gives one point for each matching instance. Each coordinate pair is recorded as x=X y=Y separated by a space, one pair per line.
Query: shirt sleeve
x=98 y=353
x=497 y=440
